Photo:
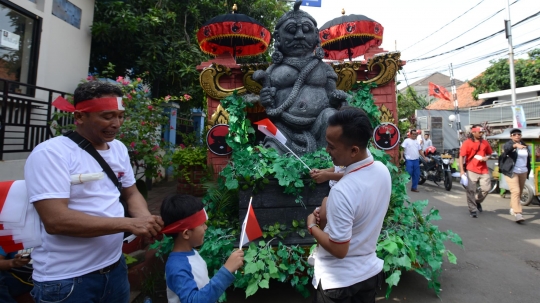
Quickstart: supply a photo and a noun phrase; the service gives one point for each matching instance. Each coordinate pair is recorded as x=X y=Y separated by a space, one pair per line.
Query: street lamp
x=451 y=118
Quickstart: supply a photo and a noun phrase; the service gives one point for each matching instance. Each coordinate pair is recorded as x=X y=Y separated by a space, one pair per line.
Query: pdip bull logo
x=386 y=136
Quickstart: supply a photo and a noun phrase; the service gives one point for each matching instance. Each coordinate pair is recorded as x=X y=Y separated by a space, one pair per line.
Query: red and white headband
x=478 y=129
x=90 y=106
x=190 y=222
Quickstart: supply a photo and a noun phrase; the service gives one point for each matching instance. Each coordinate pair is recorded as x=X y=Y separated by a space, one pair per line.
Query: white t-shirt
x=411 y=148
x=521 y=161
x=355 y=212
x=47 y=174
x=337 y=170
x=427 y=143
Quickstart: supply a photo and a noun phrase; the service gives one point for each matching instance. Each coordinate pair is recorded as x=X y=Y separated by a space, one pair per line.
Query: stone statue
x=299 y=90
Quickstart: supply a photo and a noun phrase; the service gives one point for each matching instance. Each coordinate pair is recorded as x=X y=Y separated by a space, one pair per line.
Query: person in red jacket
x=473 y=155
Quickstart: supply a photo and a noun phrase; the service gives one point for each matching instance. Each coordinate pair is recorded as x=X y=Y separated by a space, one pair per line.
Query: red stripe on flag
x=269 y=125
x=4 y=190
x=253 y=230
x=12 y=247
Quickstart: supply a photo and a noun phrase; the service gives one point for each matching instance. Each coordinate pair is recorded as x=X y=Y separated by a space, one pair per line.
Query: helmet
x=430 y=150
x=419 y=131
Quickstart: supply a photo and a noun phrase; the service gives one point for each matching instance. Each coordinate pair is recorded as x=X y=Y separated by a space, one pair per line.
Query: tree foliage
x=407 y=103
x=159 y=37
x=497 y=76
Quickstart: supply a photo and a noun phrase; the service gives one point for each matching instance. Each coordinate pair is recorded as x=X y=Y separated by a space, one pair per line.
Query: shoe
x=415 y=190
x=473 y=214
x=519 y=218
x=479 y=207
x=512 y=213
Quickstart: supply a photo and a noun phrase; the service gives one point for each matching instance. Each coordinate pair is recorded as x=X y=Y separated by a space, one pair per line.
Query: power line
x=414 y=44
x=468 y=30
x=475 y=42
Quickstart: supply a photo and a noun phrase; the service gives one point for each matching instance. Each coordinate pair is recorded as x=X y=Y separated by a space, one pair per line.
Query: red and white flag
x=19 y=221
x=268 y=128
x=250 y=228
x=438 y=91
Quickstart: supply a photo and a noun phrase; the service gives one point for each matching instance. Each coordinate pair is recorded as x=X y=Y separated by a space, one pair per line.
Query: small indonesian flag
x=438 y=91
x=268 y=128
x=19 y=222
x=250 y=228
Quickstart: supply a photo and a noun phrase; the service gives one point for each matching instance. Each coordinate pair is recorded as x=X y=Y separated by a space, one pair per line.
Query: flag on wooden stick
x=268 y=128
x=250 y=228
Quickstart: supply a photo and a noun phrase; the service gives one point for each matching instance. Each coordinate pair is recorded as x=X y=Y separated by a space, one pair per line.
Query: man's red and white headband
x=90 y=106
x=190 y=222
x=478 y=129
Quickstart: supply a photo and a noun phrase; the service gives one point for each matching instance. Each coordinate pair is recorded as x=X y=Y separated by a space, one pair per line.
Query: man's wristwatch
x=311 y=226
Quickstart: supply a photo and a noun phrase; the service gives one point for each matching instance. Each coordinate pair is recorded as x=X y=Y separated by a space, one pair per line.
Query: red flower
x=155 y=147
x=132 y=144
x=172 y=127
x=150 y=107
x=143 y=142
x=143 y=123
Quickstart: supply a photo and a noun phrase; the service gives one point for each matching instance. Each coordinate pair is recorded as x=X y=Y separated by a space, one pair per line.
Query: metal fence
x=24 y=121
x=501 y=112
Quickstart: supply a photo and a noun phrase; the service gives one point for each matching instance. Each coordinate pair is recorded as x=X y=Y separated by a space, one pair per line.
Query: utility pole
x=508 y=32
x=456 y=104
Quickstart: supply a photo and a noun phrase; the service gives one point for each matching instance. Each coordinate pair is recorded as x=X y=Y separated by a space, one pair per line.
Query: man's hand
x=235 y=261
x=149 y=226
x=19 y=261
x=518 y=145
x=311 y=219
x=316 y=213
x=319 y=176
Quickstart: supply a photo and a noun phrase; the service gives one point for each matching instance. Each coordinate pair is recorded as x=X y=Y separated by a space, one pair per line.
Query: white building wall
x=64 y=56
x=64 y=51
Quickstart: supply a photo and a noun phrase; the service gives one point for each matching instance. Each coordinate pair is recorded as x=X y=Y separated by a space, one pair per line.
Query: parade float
x=298 y=91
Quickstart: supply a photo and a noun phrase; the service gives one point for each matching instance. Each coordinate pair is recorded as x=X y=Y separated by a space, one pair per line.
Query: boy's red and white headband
x=190 y=222
x=90 y=106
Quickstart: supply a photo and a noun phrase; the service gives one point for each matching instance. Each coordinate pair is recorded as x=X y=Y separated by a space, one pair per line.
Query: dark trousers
x=361 y=292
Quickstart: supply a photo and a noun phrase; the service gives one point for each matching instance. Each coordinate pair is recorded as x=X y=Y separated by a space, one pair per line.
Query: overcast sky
x=407 y=22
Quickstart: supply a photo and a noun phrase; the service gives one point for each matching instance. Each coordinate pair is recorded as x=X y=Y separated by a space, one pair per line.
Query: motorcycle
x=436 y=168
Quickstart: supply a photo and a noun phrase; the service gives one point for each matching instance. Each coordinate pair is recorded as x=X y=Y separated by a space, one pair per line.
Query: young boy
x=186 y=272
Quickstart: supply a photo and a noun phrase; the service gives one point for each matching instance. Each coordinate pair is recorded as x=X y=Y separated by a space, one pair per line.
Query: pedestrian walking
x=515 y=166
x=427 y=142
x=473 y=155
x=411 y=153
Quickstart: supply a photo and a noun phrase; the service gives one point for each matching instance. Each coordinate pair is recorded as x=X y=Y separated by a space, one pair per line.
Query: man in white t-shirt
x=411 y=154
x=83 y=224
x=346 y=265
x=427 y=142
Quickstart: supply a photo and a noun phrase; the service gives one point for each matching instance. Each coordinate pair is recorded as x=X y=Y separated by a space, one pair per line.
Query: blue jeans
x=112 y=287
x=11 y=288
x=413 y=168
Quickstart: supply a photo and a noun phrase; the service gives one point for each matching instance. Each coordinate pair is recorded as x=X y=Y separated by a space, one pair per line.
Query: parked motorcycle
x=436 y=168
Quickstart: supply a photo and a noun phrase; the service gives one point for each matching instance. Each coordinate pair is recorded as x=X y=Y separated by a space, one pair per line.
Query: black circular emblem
x=386 y=136
x=215 y=139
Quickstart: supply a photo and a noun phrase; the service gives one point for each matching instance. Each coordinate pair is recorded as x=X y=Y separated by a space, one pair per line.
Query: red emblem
x=386 y=136
x=215 y=139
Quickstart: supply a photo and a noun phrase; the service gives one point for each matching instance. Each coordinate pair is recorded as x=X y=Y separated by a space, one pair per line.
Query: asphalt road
x=500 y=261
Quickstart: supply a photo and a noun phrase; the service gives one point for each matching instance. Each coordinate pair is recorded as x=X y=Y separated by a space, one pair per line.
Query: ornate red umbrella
x=349 y=36
x=237 y=34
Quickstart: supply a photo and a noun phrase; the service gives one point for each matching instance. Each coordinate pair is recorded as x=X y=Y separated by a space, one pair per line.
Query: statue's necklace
x=297 y=63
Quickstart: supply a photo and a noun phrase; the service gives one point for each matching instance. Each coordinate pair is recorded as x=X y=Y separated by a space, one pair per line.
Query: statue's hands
x=337 y=97
x=267 y=96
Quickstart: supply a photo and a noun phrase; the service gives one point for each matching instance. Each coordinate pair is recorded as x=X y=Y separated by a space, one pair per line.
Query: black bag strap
x=89 y=148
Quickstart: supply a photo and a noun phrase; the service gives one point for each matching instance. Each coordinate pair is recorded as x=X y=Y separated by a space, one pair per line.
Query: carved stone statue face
x=297 y=37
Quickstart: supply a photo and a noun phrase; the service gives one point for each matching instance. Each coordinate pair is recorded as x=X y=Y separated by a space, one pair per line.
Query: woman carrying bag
x=515 y=166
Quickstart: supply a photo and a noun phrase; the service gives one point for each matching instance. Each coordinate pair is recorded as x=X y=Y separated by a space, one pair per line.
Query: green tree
x=497 y=76
x=159 y=37
x=407 y=103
